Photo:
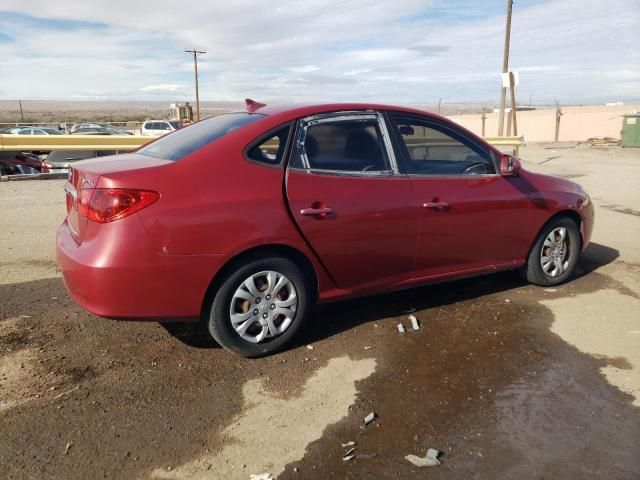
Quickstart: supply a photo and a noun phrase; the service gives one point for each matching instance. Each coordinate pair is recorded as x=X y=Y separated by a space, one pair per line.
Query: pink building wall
x=576 y=123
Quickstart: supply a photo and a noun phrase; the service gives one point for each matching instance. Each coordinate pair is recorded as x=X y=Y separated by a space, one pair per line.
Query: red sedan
x=244 y=220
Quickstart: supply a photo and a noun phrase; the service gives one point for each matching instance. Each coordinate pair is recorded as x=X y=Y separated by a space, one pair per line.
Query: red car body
x=215 y=205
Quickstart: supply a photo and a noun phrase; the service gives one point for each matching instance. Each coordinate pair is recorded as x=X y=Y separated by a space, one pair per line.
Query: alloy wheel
x=556 y=252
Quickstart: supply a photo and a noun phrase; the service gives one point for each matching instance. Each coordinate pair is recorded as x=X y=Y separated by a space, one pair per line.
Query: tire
x=559 y=262
x=267 y=329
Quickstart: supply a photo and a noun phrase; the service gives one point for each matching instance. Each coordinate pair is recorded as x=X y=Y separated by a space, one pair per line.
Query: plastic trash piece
x=348 y=444
x=401 y=328
x=429 y=460
x=262 y=476
x=369 y=418
x=414 y=322
x=309 y=347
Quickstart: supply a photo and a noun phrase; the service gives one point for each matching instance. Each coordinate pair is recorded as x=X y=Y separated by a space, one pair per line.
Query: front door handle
x=436 y=205
x=319 y=212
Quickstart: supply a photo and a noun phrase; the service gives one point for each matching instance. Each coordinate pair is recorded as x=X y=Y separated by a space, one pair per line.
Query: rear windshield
x=182 y=142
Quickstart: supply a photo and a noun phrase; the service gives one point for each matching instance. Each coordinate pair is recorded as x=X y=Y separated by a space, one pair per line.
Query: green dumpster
x=631 y=130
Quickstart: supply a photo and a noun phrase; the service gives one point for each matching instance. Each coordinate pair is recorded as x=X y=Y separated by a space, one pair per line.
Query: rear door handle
x=436 y=205
x=317 y=212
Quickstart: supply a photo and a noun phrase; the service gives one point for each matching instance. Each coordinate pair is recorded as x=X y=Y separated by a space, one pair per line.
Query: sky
x=400 y=51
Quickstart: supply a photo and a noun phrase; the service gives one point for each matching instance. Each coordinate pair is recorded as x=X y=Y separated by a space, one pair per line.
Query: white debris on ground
x=369 y=418
x=349 y=454
x=429 y=460
x=401 y=328
x=414 y=322
x=262 y=476
x=348 y=444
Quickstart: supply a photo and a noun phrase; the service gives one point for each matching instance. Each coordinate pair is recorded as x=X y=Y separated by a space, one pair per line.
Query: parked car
x=59 y=161
x=244 y=220
x=100 y=131
x=78 y=126
x=31 y=131
x=156 y=128
x=7 y=168
x=25 y=162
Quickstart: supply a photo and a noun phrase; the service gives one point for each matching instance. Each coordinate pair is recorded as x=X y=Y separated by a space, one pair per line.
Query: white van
x=156 y=128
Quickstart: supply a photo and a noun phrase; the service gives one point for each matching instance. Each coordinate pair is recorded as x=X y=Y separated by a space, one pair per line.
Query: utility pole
x=21 y=114
x=505 y=67
x=558 y=115
x=195 y=54
x=512 y=87
x=484 y=120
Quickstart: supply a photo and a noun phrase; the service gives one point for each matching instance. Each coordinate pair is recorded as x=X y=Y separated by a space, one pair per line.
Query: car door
x=349 y=200
x=471 y=218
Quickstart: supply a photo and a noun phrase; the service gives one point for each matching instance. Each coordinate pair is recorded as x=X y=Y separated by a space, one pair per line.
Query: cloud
x=162 y=88
x=407 y=51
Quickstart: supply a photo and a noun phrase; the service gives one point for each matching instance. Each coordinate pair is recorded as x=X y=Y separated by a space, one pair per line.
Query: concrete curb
x=33 y=176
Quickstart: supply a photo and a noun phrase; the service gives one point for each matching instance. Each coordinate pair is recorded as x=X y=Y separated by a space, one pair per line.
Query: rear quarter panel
x=217 y=202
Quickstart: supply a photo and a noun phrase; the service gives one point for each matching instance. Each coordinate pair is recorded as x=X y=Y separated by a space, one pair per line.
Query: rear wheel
x=554 y=254
x=260 y=307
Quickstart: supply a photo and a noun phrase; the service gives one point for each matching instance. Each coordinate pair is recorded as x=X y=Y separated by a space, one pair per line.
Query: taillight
x=104 y=205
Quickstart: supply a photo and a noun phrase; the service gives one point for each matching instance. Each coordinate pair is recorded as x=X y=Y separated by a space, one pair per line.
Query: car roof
x=303 y=110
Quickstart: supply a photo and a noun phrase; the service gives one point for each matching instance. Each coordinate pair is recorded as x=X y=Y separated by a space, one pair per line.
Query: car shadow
x=333 y=318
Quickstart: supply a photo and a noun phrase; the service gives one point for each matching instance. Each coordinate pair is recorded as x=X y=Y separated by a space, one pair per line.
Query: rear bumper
x=118 y=274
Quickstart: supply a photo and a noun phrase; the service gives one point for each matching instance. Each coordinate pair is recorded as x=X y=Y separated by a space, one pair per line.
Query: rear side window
x=346 y=146
x=187 y=140
x=271 y=148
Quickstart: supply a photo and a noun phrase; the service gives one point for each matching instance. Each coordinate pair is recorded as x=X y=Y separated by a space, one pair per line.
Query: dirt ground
x=507 y=379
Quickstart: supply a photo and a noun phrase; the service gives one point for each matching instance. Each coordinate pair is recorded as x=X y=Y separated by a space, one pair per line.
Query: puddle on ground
x=272 y=432
x=595 y=322
x=487 y=382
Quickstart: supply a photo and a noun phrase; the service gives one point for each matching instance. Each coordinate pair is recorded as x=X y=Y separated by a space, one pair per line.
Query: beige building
x=576 y=123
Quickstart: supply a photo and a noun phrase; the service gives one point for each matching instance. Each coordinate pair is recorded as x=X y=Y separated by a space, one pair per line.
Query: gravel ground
x=507 y=379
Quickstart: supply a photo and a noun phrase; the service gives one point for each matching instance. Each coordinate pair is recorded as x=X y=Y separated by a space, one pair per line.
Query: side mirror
x=509 y=166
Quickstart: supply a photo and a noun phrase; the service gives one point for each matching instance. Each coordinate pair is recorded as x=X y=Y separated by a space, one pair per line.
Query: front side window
x=189 y=139
x=351 y=144
x=434 y=149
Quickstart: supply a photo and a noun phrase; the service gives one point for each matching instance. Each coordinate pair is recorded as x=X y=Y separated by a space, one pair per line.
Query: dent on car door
x=346 y=194
x=471 y=217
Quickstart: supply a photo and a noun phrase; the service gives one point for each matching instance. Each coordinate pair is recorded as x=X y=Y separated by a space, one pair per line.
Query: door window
x=343 y=144
x=434 y=149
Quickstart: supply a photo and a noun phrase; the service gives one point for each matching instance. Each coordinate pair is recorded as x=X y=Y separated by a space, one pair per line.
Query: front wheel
x=260 y=307
x=554 y=254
